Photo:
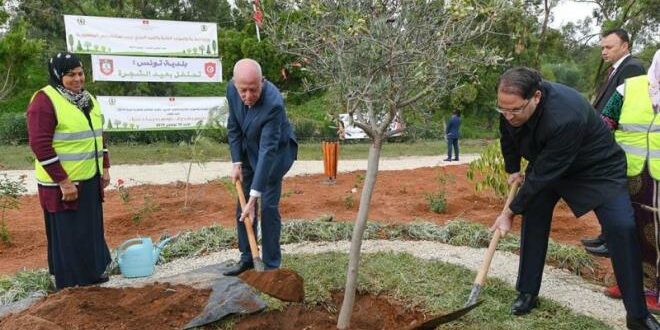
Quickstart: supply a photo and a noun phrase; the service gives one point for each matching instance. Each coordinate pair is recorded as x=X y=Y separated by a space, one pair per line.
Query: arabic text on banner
x=155 y=69
x=128 y=36
x=132 y=113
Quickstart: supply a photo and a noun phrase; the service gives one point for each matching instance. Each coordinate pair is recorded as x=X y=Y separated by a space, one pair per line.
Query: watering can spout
x=159 y=247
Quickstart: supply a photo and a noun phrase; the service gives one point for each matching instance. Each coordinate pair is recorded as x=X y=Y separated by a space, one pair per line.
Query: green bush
x=13 y=128
x=311 y=129
x=437 y=202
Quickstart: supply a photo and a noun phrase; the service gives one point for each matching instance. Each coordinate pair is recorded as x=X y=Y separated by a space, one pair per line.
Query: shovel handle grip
x=254 y=248
x=483 y=271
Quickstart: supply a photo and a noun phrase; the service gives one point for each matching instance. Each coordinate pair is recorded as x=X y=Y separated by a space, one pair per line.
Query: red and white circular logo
x=209 y=69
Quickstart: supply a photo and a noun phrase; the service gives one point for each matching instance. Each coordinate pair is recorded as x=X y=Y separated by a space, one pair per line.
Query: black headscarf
x=61 y=64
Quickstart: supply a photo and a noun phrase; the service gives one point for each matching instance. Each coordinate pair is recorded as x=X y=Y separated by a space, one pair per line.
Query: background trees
x=34 y=29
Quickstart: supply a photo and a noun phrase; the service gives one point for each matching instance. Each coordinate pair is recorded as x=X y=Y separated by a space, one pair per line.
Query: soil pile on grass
x=283 y=284
x=157 y=306
x=369 y=312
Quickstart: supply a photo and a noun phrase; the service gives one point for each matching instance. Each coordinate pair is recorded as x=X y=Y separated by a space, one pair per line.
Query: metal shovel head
x=446 y=318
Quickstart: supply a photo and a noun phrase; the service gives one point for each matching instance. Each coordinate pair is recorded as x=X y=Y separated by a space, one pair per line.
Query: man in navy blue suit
x=452 y=135
x=263 y=147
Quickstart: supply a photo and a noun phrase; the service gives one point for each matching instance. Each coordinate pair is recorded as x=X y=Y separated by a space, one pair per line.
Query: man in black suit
x=572 y=155
x=615 y=46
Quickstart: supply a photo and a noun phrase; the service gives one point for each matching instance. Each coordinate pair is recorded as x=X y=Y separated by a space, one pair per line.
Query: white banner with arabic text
x=131 y=36
x=132 y=113
x=155 y=69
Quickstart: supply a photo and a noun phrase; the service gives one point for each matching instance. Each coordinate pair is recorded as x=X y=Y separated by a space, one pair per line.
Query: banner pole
x=256 y=23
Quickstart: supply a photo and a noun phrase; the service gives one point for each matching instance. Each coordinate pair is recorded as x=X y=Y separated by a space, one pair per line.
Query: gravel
x=559 y=285
x=202 y=173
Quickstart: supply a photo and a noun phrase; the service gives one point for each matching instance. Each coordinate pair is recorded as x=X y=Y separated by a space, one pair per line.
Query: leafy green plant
x=124 y=195
x=349 y=201
x=10 y=192
x=24 y=284
x=137 y=213
x=488 y=171
x=229 y=186
x=437 y=202
x=148 y=207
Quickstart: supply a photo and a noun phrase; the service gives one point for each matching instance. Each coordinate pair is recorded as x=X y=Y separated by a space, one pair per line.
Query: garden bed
x=399 y=197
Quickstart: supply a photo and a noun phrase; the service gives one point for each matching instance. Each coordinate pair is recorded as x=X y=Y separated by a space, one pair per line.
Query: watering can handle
x=129 y=242
x=126 y=244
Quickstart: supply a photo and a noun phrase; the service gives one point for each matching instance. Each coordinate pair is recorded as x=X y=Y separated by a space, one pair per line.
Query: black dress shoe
x=524 y=304
x=238 y=268
x=600 y=250
x=455 y=159
x=645 y=323
x=447 y=160
x=593 y=242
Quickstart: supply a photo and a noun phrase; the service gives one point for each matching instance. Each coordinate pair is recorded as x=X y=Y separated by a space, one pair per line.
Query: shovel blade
x=446 y=318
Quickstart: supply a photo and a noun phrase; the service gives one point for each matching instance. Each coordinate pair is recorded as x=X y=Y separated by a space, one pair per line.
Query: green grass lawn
x=436 y=287
x=21 y=157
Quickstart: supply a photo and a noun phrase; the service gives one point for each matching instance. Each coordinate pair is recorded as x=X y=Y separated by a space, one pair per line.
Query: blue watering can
x=137 y=257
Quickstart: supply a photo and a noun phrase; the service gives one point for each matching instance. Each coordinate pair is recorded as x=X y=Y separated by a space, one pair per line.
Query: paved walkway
x=172 y=172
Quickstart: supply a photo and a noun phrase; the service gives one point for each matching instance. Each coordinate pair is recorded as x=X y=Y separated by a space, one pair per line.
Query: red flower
x=120 y=182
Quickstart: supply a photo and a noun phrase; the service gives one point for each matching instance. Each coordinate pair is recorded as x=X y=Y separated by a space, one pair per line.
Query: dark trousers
x=615 y=216
x=452 y=142
x=271 y=223
x=77 y=251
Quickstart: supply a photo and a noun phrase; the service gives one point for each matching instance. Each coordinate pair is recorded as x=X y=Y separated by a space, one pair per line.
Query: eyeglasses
x=512 y=111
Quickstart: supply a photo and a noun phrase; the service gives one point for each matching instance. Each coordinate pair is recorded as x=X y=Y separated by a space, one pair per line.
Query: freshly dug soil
x=370 y=312
x=159 y=306
x=283 y=284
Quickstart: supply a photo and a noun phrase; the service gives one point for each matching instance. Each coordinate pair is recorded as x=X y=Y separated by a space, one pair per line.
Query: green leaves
x=10 y=192
x=488 y=171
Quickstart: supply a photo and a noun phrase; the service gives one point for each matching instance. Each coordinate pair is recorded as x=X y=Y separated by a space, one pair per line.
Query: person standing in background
x=452 y=135
x=615 y=46
x=632 y=113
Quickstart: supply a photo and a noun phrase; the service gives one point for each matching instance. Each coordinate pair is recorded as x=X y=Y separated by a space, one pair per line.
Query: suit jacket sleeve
x=562 y=142
x=234 y=134
x=268 y=147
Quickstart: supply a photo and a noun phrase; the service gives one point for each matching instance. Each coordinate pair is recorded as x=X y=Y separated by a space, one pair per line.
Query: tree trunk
x=546 y=17
x=356 y=241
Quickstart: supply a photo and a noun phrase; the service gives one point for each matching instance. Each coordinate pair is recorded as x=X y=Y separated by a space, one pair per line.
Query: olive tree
x=382 y=58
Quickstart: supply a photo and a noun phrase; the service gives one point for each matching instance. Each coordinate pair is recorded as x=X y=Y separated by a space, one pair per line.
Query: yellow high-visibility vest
x=78 y=146
x=638 y=133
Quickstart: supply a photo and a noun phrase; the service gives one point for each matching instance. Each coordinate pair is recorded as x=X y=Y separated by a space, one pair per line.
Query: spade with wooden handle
x=254 y=248
x=483 y=271
x=478 y=281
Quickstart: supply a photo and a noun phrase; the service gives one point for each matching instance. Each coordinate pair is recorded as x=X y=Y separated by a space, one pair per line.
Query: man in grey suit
x=615 y=46
x=263 y=147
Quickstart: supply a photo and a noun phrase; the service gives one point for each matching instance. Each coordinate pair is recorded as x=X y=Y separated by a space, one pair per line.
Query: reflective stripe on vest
x=638 y=132
x=78 y=147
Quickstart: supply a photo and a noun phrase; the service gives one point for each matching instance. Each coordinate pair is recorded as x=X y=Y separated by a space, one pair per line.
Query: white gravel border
x=173 y=172
x=559 y=285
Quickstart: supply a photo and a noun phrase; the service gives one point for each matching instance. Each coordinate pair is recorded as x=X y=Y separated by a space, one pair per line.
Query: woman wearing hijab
x=633 y=113
x=65 y=132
